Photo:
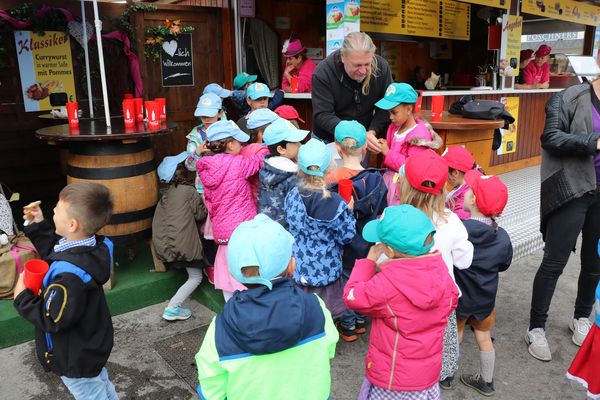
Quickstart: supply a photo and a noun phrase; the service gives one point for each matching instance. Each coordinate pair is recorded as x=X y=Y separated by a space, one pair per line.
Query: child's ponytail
x=313 y=182
x=217 y=146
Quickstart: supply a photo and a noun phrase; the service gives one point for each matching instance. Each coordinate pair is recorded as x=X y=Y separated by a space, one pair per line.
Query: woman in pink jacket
x=406 y=134
x=225 y=174
x=297 y=66
x=409 y=300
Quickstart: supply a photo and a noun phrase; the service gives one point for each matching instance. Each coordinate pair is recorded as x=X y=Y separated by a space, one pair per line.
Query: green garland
x=123 y=23
x=168 y=30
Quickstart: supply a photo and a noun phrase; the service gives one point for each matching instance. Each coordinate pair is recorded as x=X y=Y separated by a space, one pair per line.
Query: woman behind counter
x=297 y=65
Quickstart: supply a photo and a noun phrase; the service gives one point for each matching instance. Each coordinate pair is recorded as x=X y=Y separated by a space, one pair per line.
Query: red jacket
x=410 y=301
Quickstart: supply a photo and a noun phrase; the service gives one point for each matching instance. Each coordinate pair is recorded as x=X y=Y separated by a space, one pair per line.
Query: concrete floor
x=139 y=372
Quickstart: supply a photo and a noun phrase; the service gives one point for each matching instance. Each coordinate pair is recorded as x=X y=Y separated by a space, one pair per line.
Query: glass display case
x=566 y=70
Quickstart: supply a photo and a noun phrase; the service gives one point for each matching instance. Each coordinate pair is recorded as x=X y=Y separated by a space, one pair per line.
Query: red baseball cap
x=491 y=194
x=288 y=112
x=458 y=158
x=543 y=50
x=426 y=166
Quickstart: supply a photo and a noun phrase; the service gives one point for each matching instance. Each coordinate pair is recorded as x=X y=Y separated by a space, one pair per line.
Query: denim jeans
x=563 y=227
x=351 y=317
x=96 y=388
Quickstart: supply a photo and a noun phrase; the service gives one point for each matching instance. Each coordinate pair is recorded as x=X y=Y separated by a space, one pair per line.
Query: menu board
x=176 y=61
x=505 y=4
x=444 y=19
x=565 y=10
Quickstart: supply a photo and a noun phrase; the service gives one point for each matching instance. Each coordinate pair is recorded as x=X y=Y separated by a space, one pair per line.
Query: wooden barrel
x=129 y=171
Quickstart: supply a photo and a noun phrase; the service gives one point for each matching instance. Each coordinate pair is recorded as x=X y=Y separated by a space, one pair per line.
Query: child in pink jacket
x=460 y=161
x=406 y=135
x=409 y=300
x=225 y=174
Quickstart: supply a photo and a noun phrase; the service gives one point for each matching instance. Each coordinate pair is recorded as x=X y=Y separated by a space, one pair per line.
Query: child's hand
x=351 y=204
x=384 y=146
x=19 y=287
x=32 y=213
x=201 y=148
x=376 y=251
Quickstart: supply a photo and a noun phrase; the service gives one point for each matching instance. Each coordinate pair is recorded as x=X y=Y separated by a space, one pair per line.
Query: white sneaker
x=580 y=328
x=538 y=345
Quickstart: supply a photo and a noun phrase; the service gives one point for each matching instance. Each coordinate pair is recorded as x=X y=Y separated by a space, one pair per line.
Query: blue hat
x=263 y=243
x=261 y=117
x=224 y=129
x=314 y=153
x=258 y=90
x=208 y=105
x=404 y=228
x=351 y=129
x=241 y=79
x=281 y=130
x=396 y=94
x=166 y=169
x=216 y=89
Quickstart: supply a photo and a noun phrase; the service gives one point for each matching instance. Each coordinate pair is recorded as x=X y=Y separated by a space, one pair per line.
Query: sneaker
x=360 y=327
x=347 y=335
x=210 y=274
x=538 y=345
x=476 y=382
x=580 y=328
x=448 y=383
x=176 y=314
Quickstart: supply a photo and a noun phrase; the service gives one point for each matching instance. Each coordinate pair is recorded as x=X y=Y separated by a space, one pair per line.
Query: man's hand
x=19 y=287
x=373 y=144
x=376 y=251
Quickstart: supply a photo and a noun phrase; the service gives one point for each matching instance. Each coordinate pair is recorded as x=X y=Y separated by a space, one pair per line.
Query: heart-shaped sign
x=170 y=47
x=76 y=30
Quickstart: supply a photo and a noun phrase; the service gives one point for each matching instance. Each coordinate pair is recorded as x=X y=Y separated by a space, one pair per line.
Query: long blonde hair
x=360 y=41
x=313 y=182
x=429 y=203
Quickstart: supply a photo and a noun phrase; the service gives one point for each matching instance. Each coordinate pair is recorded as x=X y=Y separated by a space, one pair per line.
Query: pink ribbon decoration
x=14 y=22
x=134 y=64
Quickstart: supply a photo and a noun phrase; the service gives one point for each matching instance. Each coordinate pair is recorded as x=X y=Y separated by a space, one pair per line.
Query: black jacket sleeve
x=381 y=119
x=557 y=140
x=42 y=236
x=61 y=306
x=323 y=104
x=276 y=100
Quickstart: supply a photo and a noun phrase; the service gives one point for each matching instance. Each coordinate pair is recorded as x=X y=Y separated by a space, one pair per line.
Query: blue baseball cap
x=166 y=169
x=224 y=129
x=314 y=153
x=261 y=117
x=258 y=90
x=404 y=228
x=216 y=89
x=208 y=105
x=241 y=79
x=263 y=243
x=351 y=129
x=397 y=93
x=281 y=130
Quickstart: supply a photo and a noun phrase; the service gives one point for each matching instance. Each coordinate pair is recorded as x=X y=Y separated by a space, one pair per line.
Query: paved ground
x=139 y=371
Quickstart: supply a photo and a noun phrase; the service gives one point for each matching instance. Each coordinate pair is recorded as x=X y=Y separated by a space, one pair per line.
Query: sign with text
x=443 y=19
x=176 y=61
x=505 y=4
x=509 y=136
x=511 y=41
x=46 y=69
x=565 y=10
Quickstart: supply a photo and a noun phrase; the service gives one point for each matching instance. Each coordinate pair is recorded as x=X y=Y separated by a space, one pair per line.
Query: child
x=459 y=161
x=221 y=92
x=270 y=331
x=584 y=368
x=257 y=122
x=406 y=135
x=322 y=223
x=279 y=172
x=422 y=185
x=484 y=201
x=410 y=300
x=73 y=326
x=257 y=97
x=289 y=113
x=239 y=97
x=227 y=192
x=175 y=232
x=350 y=142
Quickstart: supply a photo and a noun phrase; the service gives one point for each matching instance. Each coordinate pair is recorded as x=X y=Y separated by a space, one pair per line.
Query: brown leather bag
x=13 y=257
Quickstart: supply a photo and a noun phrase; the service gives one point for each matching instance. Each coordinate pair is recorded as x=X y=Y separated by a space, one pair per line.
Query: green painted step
x=137 y=286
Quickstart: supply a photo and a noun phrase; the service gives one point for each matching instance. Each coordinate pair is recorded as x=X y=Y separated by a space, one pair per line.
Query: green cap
x=404 y=228
x=241 y=79
x=351 y=129
x=397 y=93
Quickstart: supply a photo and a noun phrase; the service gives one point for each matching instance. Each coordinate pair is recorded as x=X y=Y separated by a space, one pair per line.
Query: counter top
x=460 y=123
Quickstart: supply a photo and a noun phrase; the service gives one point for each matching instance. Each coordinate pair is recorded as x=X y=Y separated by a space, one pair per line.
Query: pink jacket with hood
x=456 y=199
x=227 y=190
x=410 y=301
x=399 y=151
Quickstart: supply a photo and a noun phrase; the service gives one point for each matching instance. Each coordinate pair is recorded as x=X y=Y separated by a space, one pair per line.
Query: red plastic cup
x=152 y=115
x=129 y=113
x=128 y=96
x=139 y=109
x=345 y=187
x=437 y=106
x=417 y=109
x=35 y=270
x=73 y=114
x=294 y=84
x=163 y=107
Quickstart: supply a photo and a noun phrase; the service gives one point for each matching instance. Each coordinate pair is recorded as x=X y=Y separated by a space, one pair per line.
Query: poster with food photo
x=46 y=69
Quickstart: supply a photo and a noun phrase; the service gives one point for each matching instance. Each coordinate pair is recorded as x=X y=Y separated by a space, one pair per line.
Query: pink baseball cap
x=491 y=194
x=288 y=112
x=426 y=166
x=459 y=158
x=292 y=48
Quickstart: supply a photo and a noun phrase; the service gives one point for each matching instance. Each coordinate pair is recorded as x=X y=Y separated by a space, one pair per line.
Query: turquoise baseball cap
x=224 y=129
x=208 y=105
x=166 y=169
x=241 y=79
x=258 y=90
x=280 y=130
x=314 y=153
x=217 y=89
x=397 y=93
x=404 y=228
x=263 y=243
x=261 y=117
x=351 y=129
